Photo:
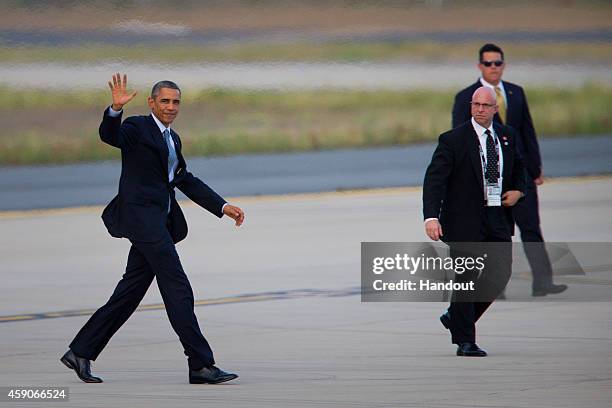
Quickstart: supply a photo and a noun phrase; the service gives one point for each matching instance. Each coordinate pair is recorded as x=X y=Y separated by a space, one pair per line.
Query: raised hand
x=119 y=90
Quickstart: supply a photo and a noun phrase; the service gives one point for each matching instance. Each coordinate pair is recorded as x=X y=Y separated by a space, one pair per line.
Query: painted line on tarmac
x=244 y=298
x=15 y=214
x=282 y=295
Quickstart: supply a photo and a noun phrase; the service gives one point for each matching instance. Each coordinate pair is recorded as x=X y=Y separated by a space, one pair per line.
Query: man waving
x=146 y=212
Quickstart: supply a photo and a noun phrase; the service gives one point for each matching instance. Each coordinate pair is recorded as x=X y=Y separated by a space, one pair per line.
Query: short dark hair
x=163 y=84
x=489 y=48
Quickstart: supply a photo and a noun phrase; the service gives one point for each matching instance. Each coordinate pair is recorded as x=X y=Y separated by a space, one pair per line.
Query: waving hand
x=119 y=90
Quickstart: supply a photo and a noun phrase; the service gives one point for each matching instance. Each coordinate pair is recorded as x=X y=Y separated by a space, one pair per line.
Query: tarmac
x=278 y=302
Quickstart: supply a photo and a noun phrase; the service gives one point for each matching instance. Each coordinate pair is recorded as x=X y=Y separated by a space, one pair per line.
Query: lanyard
x=483 y=158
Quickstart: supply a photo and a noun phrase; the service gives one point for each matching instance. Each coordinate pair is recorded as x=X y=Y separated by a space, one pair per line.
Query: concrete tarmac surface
x=287 y=317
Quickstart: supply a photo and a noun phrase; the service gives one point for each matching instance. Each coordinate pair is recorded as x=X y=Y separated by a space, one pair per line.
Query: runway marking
x=15 y=214
x=246 y=298
x=275 y=295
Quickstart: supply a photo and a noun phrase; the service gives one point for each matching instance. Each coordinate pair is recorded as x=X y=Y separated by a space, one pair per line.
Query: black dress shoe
x=210 y=375
x=470 y=350
x=551 y=289
x=80 y=366
x=445 y=319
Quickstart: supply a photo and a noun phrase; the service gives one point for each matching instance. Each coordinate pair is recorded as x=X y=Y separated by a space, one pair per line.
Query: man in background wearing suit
x=513 y=111
x=475 y=176
x=146 y=212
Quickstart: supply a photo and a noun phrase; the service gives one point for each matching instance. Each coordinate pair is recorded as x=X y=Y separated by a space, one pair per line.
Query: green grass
x=56 y=127
x=305 y=51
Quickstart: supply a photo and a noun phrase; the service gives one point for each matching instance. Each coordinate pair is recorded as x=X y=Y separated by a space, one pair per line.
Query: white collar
x=500 y=85
x=481 y=130
x=160 y=125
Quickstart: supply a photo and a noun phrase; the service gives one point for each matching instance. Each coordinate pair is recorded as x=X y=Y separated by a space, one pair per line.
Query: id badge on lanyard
x=493 y=191
x=493 y=194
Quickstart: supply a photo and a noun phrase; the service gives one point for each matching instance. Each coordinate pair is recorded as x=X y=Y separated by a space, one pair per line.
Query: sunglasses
x=497 y=63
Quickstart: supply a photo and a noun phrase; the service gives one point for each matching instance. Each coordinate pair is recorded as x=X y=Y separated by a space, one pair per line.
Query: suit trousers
x=467 y=307
x=148 y=260
x=527 y=217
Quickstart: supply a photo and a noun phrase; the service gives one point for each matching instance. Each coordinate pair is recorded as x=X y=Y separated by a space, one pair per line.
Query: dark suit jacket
x=517 y=116
x=453 y=189
x=140 y=211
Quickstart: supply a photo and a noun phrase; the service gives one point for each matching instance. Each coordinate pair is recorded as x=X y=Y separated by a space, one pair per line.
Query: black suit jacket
x=517 y=116
x=139 y=212
x=453 y=189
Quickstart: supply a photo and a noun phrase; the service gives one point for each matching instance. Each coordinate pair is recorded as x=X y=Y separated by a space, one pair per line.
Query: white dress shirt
x=482 y=138
x=162 y=129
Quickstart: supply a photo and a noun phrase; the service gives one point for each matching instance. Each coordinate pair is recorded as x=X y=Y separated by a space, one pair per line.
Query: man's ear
x=150 y=102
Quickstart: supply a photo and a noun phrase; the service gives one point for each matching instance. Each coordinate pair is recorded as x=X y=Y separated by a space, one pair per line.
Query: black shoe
x=80 y=366
x=210 y=375
x=470 y=350
x=551 y=289
x=445 y=319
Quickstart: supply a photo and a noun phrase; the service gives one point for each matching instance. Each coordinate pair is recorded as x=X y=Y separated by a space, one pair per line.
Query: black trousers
x=147 y=261
x=467 y=307
x=527 y=217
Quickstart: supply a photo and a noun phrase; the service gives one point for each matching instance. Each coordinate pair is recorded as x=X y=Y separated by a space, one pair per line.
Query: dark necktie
x=492 y=171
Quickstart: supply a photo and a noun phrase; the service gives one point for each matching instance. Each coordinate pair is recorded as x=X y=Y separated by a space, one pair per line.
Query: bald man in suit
x=475 y=177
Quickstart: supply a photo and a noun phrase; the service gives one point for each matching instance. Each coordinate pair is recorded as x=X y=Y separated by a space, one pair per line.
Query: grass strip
x=61 y=127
